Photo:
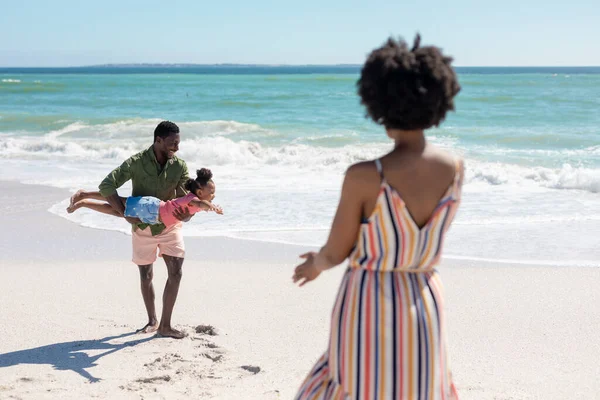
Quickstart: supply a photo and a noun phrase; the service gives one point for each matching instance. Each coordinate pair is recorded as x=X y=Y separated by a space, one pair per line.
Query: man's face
x=168 y=146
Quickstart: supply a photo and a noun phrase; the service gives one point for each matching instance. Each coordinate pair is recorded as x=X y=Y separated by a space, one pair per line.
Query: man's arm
x=185 y=175
x=108 y=187
x=182 y=213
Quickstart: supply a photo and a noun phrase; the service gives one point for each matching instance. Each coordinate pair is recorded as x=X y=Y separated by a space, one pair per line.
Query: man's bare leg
x=146 y=275
x=174 y=265
x=93 y=205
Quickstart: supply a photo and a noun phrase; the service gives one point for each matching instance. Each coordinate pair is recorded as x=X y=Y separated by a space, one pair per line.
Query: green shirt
x=148 y=178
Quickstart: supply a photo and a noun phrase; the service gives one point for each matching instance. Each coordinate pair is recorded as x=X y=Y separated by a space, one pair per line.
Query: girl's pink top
x=167 y=207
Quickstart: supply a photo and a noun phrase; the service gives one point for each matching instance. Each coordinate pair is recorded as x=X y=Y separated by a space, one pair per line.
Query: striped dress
x=387 y=337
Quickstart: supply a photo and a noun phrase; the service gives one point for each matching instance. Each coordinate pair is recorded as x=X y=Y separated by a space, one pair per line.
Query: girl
x=151 y=210
x=387 y=337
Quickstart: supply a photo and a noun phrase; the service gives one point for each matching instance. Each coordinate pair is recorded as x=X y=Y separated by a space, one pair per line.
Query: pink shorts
x=169 y=242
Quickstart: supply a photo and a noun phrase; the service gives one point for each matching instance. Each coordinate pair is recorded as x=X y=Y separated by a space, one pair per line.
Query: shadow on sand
x=70 y=355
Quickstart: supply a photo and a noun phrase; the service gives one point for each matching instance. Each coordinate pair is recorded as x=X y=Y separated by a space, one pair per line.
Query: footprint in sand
x=153 y=362
x=154 y=379
x=274 y=391
x=205 y=343
x=206 y=330
x=214 y=348
x=165 y=362
x=191 y=363
x=213 y=358
x=251 y=368
x=140 y=384
x=190 y=372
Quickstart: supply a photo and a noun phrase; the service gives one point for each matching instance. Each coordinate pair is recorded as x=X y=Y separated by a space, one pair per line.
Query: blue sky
x=476 y=33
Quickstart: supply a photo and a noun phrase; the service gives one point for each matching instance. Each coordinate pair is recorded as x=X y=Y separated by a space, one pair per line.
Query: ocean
x=279 y=139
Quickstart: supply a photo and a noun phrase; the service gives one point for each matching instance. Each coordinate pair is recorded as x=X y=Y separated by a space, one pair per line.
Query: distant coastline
x=257 y=69
x=226 y=65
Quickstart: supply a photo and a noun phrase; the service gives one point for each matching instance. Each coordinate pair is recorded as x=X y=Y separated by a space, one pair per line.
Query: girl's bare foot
x=76 y=197
x=73 y=207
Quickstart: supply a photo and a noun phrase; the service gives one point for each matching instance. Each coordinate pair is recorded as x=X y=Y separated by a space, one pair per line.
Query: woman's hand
x=310 y=269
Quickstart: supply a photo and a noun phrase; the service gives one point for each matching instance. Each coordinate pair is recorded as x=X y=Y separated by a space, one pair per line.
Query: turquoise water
x=282 y=137
x=511 y=112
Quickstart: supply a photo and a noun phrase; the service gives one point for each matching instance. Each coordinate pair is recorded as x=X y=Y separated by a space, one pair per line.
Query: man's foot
x=170 y=332
x=149 y=328
x=75 y=198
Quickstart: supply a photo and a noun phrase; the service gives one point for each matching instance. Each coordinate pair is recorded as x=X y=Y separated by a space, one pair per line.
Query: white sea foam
x=142 y=129
x=215 y=149
x=11 y=80
x=567 y=177
x=281 y=190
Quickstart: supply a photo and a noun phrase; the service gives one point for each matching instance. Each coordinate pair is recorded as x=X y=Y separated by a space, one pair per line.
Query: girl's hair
x=407 y=88
x=203 y=176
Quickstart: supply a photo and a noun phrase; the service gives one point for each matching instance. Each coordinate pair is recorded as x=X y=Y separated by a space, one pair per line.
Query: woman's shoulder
x=363 y=171
x=441 y=155
x=444 y=159
x=362 y=167
x=451 y=165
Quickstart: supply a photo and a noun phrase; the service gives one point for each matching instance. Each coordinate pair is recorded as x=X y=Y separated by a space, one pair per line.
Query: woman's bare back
x=421 y=180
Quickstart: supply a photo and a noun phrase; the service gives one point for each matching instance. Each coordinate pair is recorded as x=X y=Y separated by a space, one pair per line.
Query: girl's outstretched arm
x=207 y=206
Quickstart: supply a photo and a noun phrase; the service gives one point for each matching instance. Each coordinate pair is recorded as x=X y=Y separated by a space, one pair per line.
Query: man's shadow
x=70 y=355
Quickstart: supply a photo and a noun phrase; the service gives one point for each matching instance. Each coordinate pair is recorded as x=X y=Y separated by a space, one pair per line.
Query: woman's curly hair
x=407 y=89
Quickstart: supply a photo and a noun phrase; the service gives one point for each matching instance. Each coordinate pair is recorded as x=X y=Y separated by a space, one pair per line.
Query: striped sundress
x=387 y=337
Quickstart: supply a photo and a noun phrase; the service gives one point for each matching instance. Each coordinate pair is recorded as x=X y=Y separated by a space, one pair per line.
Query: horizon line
x=341 y=65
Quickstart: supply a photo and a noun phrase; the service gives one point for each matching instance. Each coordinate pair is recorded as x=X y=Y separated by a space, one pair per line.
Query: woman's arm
x=344 y=230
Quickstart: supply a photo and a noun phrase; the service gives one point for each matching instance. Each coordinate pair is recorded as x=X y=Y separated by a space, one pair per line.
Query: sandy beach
x=71 y=303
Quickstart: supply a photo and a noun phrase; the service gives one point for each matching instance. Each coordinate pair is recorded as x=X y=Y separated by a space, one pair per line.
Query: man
x=155 y=172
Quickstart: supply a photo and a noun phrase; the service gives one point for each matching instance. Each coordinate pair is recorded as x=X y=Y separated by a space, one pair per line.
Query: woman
x=387 y=337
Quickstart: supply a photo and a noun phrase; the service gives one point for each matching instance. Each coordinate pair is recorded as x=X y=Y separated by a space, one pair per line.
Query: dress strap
x=379 y=168
x=459 y=174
